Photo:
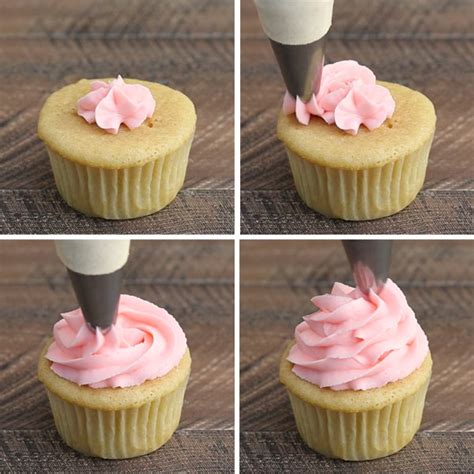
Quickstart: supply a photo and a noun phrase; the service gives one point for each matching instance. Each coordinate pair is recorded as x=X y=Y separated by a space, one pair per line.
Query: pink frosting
x=357 y=343
x=109 y=105
x=145 y=342
x=348 y=97
x=302 y=110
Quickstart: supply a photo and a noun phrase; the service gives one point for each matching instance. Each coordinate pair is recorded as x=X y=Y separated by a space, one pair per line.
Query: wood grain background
x=46 y=44
x=278 y=279
x=192 y=280
x=424 y=44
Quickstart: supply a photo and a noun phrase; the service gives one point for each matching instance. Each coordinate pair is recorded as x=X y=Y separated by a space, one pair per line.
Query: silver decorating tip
x=370 y=262
x=301 y=66
x=98 y=296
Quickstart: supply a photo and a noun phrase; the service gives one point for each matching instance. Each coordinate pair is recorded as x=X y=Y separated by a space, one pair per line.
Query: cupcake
x=359 y=149
x=357 y=373
x=118 y=148
x=119 y=394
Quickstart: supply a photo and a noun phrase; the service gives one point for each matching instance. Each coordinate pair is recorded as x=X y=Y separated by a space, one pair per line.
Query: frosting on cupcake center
x=348 y=97
x=145 y=342
x=357 y=343
x=111 y=104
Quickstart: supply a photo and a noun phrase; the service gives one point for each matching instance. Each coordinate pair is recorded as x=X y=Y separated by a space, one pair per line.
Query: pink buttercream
x=109 y=105
x=348 y=96
x=358 y=343
x=302 y=110
x=145 y=342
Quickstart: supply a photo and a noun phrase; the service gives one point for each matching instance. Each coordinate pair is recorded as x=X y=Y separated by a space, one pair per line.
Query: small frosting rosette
x=111 y=104
x=348 y=97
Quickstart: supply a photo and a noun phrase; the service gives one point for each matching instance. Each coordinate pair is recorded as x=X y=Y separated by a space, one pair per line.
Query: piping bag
x=95 y=268
x=297 y=30
x=370 y=262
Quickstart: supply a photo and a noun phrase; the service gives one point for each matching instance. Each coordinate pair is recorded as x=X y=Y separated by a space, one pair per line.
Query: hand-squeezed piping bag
x=370 y=262
x=95 y=268
x=297 y=30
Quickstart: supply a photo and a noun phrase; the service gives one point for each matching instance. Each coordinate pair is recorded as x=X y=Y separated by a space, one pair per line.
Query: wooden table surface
x=424 y=44
x=46 y=44
x=193 y=280
x=277 y=281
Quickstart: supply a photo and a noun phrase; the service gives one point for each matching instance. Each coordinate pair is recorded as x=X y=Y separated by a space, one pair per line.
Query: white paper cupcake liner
x=360 y=194
x=360 y=435
x=118 y=434
x=121 y=193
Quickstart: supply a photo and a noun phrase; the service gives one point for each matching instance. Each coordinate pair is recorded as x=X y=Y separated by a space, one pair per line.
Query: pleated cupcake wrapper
x=363 y=194
x=118 y=434
x=361 y=435
x=121 y=193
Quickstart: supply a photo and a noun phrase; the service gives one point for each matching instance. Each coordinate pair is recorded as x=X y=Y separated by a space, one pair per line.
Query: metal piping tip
x=301 y=66
x=98 y=296
x=370 y=262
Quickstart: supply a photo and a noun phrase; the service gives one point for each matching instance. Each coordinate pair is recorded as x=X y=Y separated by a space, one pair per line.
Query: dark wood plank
x=304 y=263
x=92 y=42
x=278 y=278
x=283 y=212
x=187 y=451
x=387 y=18
x=194 y=211
x=428 y=452
x=171 y=262
x=193 y=280
x=117 y=18
x=440 y=68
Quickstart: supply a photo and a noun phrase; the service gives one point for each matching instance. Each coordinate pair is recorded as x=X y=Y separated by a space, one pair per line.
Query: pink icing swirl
x=109 y=105
x=145 y=342
x=354 y=343
x=348 y=97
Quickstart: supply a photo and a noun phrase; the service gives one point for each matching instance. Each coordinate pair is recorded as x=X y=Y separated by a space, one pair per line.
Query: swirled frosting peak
x=358 y=343
x=114 y=103
x=145 y=342
x=348 y=97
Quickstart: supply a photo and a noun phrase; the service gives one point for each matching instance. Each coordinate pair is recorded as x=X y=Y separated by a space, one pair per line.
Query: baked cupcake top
x=155 y=121
x=356 y=122
x=358 y=343
x=145 y=343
